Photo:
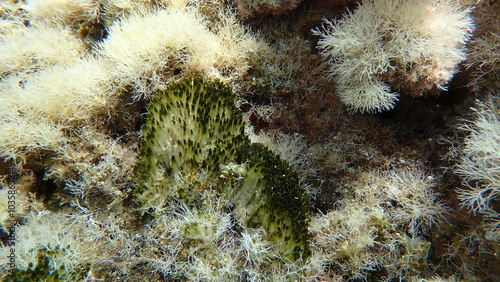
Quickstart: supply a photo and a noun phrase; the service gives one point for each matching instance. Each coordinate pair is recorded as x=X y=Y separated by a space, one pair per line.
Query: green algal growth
x=194 y=147
x=270 y=197
x=192 y=126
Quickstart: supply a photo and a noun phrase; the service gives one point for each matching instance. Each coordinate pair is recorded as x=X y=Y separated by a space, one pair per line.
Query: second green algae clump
x=194 y=149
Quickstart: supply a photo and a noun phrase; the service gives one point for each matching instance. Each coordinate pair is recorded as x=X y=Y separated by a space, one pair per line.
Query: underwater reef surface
x=237 y=140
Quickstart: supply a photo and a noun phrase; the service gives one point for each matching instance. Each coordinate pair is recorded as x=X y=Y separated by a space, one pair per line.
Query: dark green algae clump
x=194 y=127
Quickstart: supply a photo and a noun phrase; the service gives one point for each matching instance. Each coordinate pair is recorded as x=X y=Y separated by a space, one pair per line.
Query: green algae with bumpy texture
x=193 y=128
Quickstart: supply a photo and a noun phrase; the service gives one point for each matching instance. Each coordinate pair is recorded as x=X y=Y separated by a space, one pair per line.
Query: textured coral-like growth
x=195 y=149
x=411 y=45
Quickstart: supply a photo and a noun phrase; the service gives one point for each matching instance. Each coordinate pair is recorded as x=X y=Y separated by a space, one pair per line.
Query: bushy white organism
x=411 y=45
x=4 y=210
x=70 y=238
x=122 y=8
x=480 y=163
x=254 y=247
x=25 y=133
x=69 y=92
x=48 y=85
x=484 y=48
x=378 y=225
x=148 y=49
x=205 y=226
x=412 y=190
x=13 y=16
x=36 y=108
x=367 y=95
x=202 y=243
x=485 y=57
x=8 y=212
